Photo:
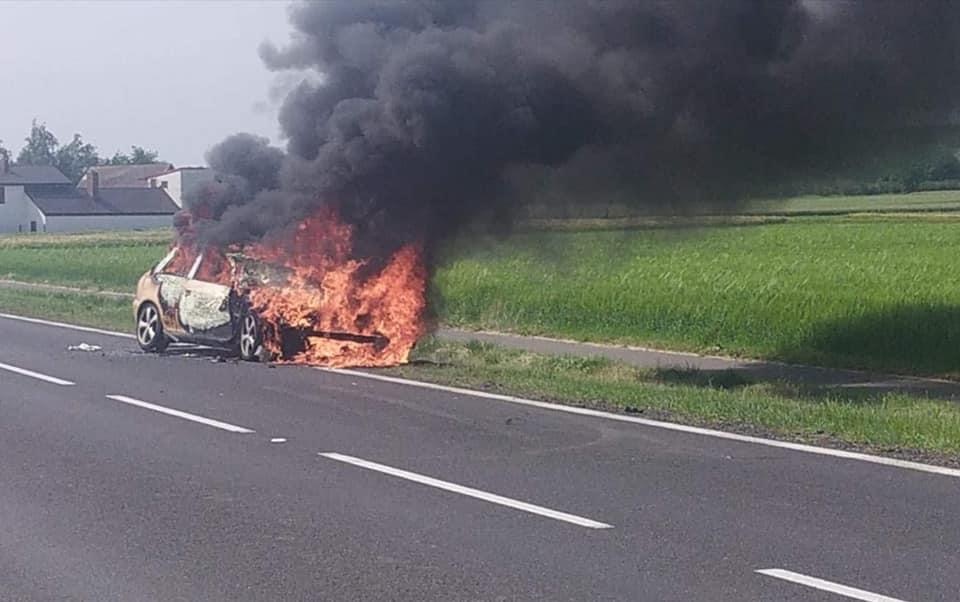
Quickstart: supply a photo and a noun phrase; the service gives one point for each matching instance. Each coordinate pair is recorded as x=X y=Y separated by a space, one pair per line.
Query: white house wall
x=174 y=186
x=18 y=211
x=88 y=223
x=184 y=182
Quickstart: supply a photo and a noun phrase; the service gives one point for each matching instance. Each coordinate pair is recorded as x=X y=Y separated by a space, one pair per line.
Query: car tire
x=150 y=335
x=250 y=338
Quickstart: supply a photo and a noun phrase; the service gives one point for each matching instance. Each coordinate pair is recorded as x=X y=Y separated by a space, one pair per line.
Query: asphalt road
x=162 y=478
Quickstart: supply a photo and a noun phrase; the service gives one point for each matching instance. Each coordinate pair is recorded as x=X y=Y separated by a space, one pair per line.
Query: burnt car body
x=173 y=304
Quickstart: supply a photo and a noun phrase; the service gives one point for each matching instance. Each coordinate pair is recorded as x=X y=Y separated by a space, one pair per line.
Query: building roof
x=67 y=200
x=139 y=201
x=186 y=168
x=21 y=175
x=126 y=176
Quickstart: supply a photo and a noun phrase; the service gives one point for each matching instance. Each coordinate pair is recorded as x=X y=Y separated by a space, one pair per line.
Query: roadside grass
x=859 y=292
x=105 y=261
x=85 y=310
x=889 y=423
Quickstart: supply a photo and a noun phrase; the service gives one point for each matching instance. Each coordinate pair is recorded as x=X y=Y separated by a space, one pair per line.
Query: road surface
x=126 y=476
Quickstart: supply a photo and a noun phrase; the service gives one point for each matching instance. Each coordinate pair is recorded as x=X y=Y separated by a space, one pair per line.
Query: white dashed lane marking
x=827 y=586
x=468 y=491
x=44 y=377
x=225 y=426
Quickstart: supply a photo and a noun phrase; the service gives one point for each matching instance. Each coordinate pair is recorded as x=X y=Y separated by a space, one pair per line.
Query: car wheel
x=251 y=338
x=150 y=334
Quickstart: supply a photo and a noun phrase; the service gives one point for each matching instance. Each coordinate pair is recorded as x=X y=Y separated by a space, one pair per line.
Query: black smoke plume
x=419 y=118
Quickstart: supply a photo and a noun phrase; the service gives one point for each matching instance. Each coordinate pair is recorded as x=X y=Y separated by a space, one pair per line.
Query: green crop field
x=880 y=293
x=108 y=261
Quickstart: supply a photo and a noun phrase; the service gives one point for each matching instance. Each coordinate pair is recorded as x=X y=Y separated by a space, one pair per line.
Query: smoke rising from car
x=419 y=119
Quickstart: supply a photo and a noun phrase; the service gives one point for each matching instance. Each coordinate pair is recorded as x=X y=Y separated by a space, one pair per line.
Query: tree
x=73 y=159
x=43 y=148
x=138 y=156
x=40 y=148
x=4 y=151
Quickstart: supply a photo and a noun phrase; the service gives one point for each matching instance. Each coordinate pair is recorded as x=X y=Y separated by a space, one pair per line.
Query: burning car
x=175 y=302
x=301 y=295
x=304 y=301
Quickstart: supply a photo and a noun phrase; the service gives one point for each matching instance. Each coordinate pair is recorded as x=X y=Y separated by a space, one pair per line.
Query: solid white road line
x=109 y=333
x=827 y=586
x=37 y=375
x=186 y=416
x=469 y=492
x=800 y=447
x=810 y=449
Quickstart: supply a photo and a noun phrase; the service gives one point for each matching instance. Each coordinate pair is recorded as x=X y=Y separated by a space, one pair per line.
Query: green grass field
x=107 y=261
x=880 y=293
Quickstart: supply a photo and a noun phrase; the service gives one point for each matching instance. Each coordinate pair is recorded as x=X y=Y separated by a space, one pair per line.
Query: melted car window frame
x=195 y=267
x=158 y=269
x=180 y=259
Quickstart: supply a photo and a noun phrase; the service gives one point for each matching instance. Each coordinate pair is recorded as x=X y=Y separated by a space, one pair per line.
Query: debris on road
x=84 y=347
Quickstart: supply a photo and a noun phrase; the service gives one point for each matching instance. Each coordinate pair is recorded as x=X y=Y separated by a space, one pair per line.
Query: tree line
x=42 y=147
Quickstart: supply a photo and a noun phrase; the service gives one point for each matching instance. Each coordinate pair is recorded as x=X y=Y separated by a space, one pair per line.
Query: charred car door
x=205 y=311
x=170 y=276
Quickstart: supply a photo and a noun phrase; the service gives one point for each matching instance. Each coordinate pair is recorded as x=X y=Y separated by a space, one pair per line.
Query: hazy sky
x=172 y=76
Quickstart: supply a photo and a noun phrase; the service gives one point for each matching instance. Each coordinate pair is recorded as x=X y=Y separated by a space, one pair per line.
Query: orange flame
x=317 y=304
x=340 y=314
